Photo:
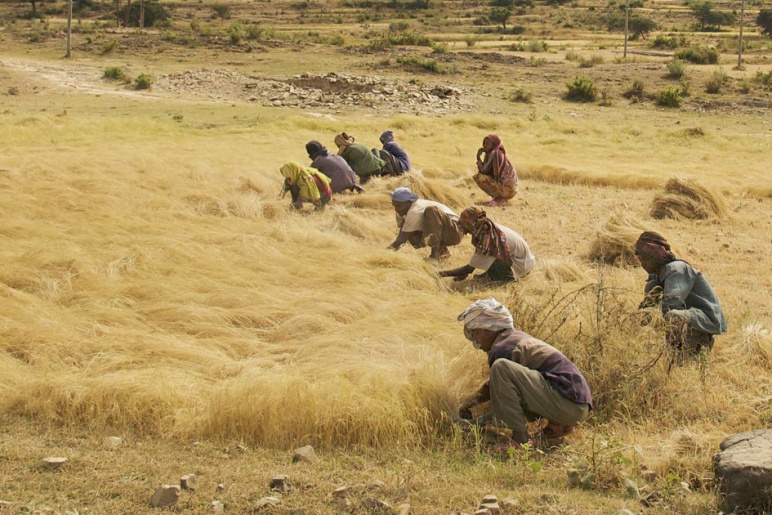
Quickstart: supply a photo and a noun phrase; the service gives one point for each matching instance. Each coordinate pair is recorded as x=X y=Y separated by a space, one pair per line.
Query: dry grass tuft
x=558 y=175
x=755 y=344
x=439 y=191
x=759 y=191
x=561 y=270
x=613 y=245
x=687 y=199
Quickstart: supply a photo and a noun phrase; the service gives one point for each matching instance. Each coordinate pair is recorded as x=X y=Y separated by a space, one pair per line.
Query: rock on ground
x=744 y=470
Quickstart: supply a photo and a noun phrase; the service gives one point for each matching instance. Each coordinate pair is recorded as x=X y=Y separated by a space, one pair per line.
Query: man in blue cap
x=424 y=223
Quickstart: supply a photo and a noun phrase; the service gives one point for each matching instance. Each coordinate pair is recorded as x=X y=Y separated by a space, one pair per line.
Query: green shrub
x=716 y=81
x=572 y=55
x=746 y=86
x=535 y=62
x=764 y=79
x=409 y=38
x=605 y=97
x=686 y=86
x=429 y=65
x=676 y=68
x=255 y=32
x=636 y=91
x=439 y=48
x=581 y=89
x=520 y=95
x=669 y=41
x=400 y=26
x=698 y=55
x=337 y=40
x=470 y=41
x=221 y=11
x=537 y=45
x=115 y=73
x=109 y=46
x=669 y=97
x=143 y=81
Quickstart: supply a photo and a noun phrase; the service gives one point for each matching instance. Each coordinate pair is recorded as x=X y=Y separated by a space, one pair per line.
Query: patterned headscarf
x=501 y=167
x=486 y=314
x=486 y=237
x=387 y=136
x=343 y=140
x=654 y=247
x=403 y=194
x=306 y=179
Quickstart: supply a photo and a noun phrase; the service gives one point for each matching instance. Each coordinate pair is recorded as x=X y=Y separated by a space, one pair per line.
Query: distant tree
x=641 y=26
x=222 y=11
x=155 y=14
x=764 y=20
x=500 y=15
x=34 y=7
x=503 y=3
x=708 y=18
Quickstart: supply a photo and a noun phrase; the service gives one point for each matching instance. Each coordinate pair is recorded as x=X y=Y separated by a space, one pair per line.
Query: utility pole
x=69 y=29
x=740 y=47
x=627 y=23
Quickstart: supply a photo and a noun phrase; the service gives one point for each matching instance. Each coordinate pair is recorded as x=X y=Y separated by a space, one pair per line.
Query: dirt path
x=30 y=76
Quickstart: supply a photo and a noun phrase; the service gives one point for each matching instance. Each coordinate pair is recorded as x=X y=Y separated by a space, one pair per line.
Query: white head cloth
x=487 y=314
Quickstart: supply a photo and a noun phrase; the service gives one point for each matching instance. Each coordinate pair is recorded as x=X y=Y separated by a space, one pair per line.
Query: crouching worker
x=341 y=175
x=501 y=253
x=424 y=223
x=689 y=303
x=529 y=379
x=397 y=160
x=305 y=185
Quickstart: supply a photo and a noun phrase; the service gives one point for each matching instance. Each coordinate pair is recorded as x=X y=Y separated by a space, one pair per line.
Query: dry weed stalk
x=687 y=199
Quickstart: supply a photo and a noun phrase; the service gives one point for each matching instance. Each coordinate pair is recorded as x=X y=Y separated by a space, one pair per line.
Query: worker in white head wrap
x=529 y=379
x=485 y=314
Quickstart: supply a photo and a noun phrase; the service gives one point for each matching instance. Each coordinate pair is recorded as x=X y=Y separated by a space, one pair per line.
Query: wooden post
x=627 y=22
x=69 y=29
x=740 y=47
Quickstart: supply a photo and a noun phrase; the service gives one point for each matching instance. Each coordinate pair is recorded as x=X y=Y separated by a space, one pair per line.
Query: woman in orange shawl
x=496 y=176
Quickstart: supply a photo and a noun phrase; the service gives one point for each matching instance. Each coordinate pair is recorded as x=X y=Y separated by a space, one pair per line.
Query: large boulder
x=744 y=470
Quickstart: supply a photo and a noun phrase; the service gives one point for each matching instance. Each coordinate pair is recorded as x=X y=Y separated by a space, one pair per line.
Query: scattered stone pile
x=329 y=91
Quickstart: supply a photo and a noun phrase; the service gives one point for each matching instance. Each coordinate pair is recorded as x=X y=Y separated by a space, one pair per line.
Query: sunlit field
x=154 y=286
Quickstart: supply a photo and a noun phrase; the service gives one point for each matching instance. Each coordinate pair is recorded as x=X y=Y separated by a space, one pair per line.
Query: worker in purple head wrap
x=424 y=223
x=688 y=301
x=394 y=154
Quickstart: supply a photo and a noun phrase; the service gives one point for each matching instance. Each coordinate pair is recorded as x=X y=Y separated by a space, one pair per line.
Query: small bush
x=669 y=97
x=686 y=86
x=429 y=65
x=669 y=41
x=109 y=46
x=746 y=86
x=470 y=41
x=676 y=68
x=716 y=81
x=520 y=95
x=763 y=79
x=698 y=55
x=337 y=40
x=408 y=38
x=439 y=48
x=143 y=81
x=636 y=91
x=537 y=45
x=535 y=62
x=591 y=61
x=115 y=73
x=581 y=89
x=605 y=97
x=572 y=55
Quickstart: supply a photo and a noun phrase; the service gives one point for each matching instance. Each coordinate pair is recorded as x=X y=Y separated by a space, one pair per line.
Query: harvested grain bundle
x=436 y=190
x=614 y=244
x=686 y=199
x=562 y=271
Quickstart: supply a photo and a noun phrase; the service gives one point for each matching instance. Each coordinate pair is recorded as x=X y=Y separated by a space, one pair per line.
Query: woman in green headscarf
x=306 y=185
